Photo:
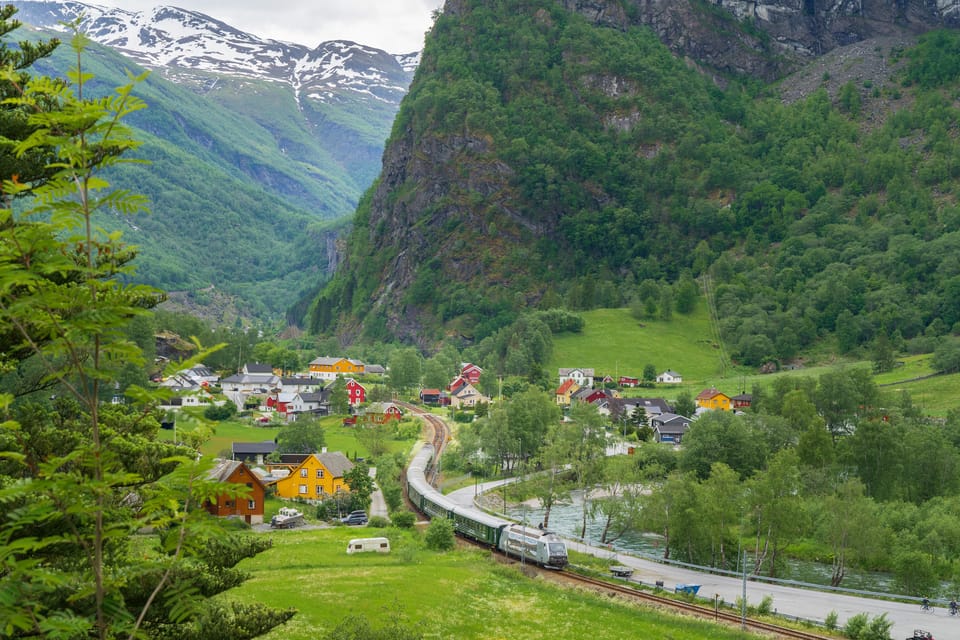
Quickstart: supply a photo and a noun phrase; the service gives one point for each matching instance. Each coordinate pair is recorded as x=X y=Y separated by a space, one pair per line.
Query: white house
x=466 y=395
x=583 y=377
x=670 y=377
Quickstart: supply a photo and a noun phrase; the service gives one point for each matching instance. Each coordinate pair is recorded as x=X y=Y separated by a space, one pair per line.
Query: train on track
x=529 y=543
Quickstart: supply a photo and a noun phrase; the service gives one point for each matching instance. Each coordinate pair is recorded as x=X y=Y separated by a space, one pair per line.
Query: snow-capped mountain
x=176 y=41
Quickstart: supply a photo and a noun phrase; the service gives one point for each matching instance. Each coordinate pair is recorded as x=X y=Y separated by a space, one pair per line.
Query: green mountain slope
x=540 y=159
x=246 y=192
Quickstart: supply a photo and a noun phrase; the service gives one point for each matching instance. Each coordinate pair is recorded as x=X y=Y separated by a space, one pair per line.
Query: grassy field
x=338 y=437
x=613 y=342
x=462 y=594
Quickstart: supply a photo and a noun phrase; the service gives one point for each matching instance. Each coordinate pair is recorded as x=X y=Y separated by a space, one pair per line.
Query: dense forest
x=604 y=168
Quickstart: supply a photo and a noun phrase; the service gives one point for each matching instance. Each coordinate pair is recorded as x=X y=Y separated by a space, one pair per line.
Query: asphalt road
x=793 y=601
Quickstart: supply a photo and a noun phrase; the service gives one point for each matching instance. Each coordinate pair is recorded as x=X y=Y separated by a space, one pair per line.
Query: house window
x=319 y=473
x=303 y=489
x=251 y=504
x=303 y=473
x=319 y=490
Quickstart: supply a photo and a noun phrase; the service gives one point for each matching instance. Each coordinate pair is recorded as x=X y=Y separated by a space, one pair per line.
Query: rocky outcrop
x=768 y=39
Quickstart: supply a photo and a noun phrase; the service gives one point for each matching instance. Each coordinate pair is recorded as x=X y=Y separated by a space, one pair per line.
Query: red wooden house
x=471 y=373
x=627 y=381
x=249 y=507
x=380 y=413
x=356 y=392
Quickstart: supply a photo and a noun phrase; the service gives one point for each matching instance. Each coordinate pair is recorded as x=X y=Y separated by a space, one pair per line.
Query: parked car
x=355 y=517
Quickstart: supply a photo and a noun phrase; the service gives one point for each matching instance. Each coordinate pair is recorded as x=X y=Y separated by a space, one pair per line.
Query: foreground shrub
x=403 y=519
x=440 y=535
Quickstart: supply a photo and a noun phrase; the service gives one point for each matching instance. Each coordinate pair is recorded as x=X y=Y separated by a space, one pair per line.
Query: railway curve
x=440 y=435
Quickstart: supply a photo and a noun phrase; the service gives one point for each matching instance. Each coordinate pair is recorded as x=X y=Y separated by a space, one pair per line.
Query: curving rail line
x=439 y=440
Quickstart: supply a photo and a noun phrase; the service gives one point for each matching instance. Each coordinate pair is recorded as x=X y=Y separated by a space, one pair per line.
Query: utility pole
x=743 y=597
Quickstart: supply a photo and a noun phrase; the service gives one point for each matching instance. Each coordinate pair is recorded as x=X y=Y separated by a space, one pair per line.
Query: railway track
x=439 y=437
x=726 y=617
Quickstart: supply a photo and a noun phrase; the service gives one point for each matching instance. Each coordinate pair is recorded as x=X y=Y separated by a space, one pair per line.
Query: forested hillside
x=542 y=160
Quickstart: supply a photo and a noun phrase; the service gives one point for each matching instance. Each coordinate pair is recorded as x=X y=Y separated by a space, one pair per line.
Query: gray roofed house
x=257 y=368
x=669 y=377
x=376 y=369
x=315 y=402
x=669 y=427
x=335 y=462
x=252 y=451
x=653 y=406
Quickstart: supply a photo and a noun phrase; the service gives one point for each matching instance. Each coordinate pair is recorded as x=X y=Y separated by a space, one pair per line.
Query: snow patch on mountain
x=176 y=39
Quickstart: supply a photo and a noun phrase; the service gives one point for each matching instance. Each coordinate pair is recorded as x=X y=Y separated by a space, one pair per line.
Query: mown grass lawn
x=462 y=594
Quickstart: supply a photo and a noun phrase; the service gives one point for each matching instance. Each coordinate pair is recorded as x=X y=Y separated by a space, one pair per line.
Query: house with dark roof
x=669 y=427
x=466 y=395
x=248 y=506
x=593 y=395
x=252 y=452
x=627 y=406
x=434 y=397
x=742 y=401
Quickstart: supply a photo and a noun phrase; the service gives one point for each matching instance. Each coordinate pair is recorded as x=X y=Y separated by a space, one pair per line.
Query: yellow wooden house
x=565 y=391
x=319 y=475
x=714 y=400
x=331 y=368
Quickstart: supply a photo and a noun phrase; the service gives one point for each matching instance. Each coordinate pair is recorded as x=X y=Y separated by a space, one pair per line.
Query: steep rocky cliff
x=548 y=145
x=772 y=37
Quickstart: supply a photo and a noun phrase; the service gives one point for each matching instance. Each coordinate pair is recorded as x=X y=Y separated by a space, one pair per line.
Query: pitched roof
x=223 y=469
x=586 y=372
x=253 y=448
x=672 y=420
x=256 y=367
x=569 y=382
x=712 y=392
x=335 y=462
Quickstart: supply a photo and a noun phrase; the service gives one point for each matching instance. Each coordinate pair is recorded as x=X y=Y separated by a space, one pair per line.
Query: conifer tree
x=101 y=532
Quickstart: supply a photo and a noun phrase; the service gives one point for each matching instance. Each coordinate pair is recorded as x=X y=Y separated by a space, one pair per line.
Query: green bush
x=403 y=519
x=378 y=522
x=440 y=535
x=830 y=622
x=221 y=412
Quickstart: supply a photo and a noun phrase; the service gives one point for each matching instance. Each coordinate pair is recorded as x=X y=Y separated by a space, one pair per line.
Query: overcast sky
x=396 y=26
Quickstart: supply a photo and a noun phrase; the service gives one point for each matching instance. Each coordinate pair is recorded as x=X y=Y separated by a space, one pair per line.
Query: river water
x=566 y=520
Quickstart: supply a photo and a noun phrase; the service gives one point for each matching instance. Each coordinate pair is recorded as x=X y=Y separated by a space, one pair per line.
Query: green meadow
x=338 y=437
x=615 y=343
x=461 y=594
